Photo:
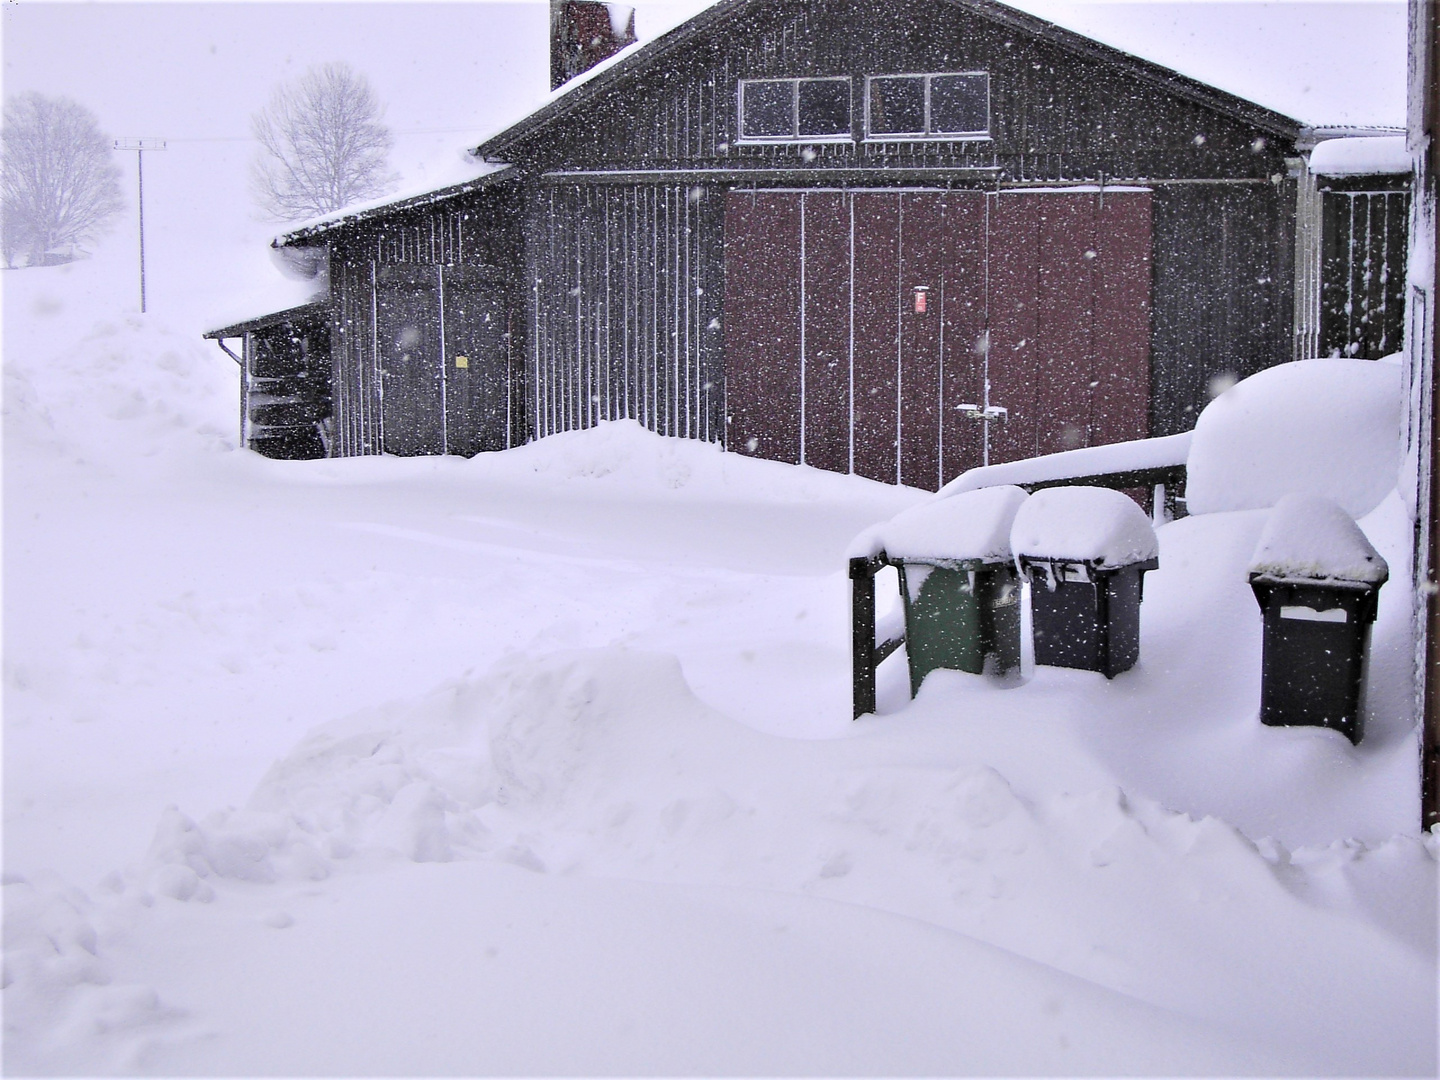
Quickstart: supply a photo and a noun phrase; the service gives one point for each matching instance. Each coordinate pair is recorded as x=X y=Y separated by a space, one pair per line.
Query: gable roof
x=643 y=57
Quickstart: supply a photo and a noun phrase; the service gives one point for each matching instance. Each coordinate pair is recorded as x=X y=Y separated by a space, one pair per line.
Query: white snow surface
x=1309 y=537
x=971 y=525
x=1084 y=524
x=1375 y=155
x=1127 y=456
x=1326 y=427
x=541 y=763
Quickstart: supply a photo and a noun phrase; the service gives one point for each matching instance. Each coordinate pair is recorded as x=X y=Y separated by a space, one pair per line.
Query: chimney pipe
x=583 y=33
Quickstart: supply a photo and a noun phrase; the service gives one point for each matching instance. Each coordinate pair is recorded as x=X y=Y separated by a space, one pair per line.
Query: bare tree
x=322 y=145
x=60 y=186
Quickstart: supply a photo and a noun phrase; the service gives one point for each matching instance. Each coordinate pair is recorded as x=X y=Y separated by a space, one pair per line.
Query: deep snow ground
x=541 y=763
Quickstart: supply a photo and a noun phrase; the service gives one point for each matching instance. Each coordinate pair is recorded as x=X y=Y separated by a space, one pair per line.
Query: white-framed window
x=795 y=110
x=950 y=105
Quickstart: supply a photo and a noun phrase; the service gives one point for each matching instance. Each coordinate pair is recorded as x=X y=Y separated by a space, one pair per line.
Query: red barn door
x=860 y=325
x=1069 y=320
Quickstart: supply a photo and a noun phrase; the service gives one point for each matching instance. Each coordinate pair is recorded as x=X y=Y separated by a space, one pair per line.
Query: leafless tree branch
x=322 y=145
x=60 y=186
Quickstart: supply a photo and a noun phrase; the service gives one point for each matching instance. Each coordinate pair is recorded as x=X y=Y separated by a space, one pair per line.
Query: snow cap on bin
x=1083 y=524
x=1312 y=538
x=971 y=525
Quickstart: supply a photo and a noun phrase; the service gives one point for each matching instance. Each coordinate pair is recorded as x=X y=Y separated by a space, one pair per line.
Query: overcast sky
x=194 y=73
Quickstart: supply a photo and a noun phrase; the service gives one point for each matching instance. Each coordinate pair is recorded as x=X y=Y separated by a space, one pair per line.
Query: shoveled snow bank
x=626 y=455
x=971 y=525
x=1083 y=524
x=1182 y=943
x=1326 y=427
x=1310 y=538
x=1373 y=155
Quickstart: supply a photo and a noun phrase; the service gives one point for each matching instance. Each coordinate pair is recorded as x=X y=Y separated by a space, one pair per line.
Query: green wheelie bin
x=959 y=584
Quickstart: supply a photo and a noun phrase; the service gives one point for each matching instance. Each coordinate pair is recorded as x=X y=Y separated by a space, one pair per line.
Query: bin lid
x=1092 y=525
x=1312 y=538
x=971 y=525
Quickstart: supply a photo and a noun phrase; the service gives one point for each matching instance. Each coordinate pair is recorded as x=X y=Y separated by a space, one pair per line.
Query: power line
x=251 y=138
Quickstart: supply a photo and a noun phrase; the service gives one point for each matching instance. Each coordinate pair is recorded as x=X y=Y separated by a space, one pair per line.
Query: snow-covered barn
x=893 y=237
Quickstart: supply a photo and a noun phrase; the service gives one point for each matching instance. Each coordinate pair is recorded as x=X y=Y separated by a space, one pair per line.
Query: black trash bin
x=1085 y=552
x=958 y=581
x=1317 y=580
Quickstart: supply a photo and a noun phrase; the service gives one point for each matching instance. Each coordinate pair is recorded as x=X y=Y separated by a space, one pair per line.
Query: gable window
x=949 y=106
x=795 y=110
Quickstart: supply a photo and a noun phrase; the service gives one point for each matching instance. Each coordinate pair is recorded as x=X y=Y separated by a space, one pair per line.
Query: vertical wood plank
x=962 y=306
x=762 y=346
x=826 y=292
x=1120 y=400
x=877 y=275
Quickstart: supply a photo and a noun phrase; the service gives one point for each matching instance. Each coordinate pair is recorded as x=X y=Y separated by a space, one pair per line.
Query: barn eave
x=349 y=219
x=315 y=310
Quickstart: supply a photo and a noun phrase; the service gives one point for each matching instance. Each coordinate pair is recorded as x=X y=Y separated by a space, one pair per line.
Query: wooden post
x=1424 y=137
x=862 y=643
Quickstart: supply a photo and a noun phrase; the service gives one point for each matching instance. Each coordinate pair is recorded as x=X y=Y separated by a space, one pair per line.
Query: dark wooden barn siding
x=626 y=307
x=476 y=231
x=1054 y=115
x=286 y=389
x=616 y=169
x=1224 y=291
x=1362 y=266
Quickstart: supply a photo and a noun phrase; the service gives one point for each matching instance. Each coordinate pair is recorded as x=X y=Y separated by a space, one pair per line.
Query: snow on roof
x=973 y=525
x=1383 y=155
x=477 y=174
x=264 y=293
x=1083 y=524
x=1310 y=537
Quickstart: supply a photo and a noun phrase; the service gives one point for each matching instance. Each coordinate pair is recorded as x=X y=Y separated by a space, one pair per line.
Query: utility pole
x=140 y=146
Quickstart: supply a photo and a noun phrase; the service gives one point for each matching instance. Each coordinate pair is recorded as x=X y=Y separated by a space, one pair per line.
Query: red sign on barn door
x=867 y=331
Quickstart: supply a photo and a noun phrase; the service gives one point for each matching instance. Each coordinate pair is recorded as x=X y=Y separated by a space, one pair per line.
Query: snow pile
x=602 y=764
x=1083 y=524
x=627 y=455
x=1374 y=155
x=971 y=525
x=1326 y=427
x=1310 y=538
x=118 y=390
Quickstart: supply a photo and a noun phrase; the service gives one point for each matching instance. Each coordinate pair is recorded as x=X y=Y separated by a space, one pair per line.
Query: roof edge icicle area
x=356 y=215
